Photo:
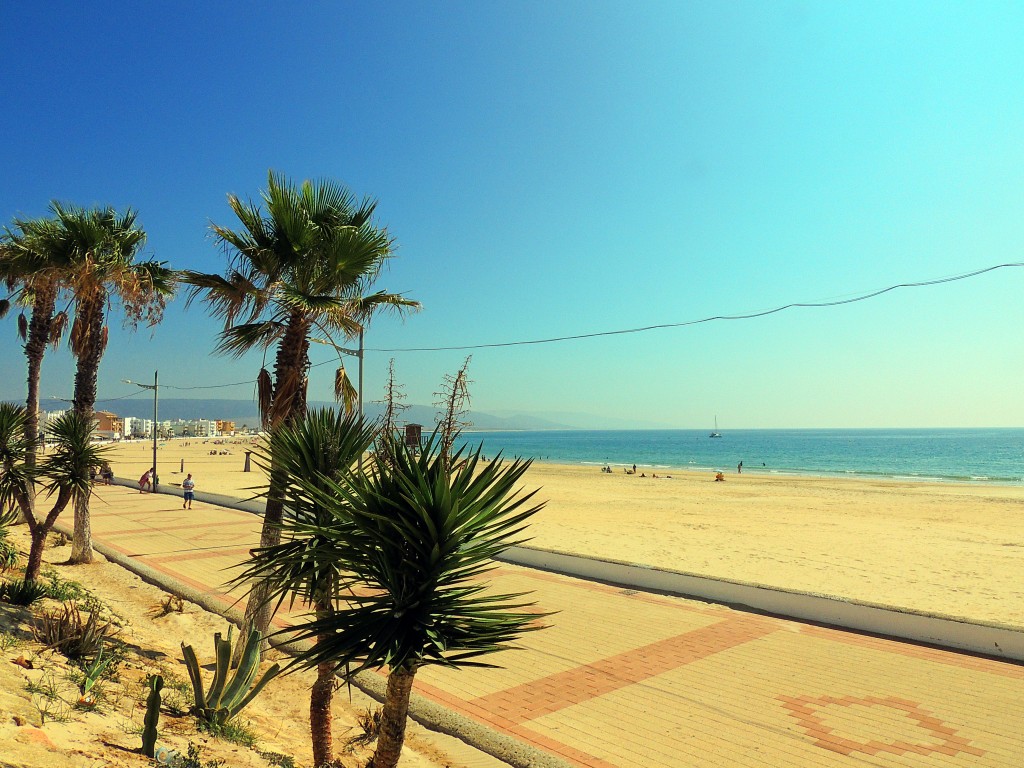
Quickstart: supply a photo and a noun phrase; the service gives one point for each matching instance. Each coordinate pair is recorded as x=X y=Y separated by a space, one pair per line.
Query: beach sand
x=953 y=549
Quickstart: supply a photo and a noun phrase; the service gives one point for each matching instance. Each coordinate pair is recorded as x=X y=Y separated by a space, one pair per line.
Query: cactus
x=227 y=698
x=156 y=682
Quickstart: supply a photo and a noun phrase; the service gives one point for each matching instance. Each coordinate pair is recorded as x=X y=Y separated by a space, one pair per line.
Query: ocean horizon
x=989 y=455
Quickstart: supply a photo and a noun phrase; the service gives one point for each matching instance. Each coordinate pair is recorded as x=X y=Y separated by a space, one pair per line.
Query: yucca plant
x=9 y=556
x=324 y=446
x=407 y=543
x=64 y=474
x=22 y=592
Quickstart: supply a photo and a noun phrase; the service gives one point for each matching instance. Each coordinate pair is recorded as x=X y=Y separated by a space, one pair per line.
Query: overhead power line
x=746 y=316
x=660 y=326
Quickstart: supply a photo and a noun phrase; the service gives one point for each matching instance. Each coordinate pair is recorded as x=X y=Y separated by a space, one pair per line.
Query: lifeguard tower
x=413 y=436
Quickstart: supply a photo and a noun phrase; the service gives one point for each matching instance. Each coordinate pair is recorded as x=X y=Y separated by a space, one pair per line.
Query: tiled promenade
x=624 y=679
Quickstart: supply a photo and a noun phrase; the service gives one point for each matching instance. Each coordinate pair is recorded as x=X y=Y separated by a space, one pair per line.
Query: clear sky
x=550 y=169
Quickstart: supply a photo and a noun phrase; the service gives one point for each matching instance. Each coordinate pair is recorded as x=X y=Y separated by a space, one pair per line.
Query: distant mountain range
x=245 y=412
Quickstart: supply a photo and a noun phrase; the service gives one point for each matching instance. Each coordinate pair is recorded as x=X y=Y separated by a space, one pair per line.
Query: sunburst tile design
x=848 y=724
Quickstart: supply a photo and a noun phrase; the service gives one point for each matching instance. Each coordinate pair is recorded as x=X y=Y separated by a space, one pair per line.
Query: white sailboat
x=716 y=433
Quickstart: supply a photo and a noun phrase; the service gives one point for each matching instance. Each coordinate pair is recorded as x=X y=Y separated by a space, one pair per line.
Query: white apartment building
x=136 y=427
x=203 y=428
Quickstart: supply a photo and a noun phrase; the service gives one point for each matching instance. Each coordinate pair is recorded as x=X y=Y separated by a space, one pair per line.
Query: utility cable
x=660 y=326
x=747 y=316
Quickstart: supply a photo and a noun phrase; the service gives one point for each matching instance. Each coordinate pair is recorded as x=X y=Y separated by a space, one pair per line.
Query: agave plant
x=226 y=698
x=65 y=630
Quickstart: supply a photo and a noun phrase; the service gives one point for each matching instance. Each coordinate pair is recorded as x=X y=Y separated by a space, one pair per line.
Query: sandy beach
x=945 y=548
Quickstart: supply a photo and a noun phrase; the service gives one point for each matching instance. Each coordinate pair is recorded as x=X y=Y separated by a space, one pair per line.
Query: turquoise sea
x=940 y=455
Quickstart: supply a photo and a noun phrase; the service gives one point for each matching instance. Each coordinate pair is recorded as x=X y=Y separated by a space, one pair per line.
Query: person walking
x=189 y=486
x=739 y=468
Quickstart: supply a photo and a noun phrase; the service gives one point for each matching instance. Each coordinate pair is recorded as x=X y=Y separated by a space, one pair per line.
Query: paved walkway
x=624 y=678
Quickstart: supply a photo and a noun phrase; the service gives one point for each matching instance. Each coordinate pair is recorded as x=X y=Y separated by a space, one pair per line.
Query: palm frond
x=58 y=326
x=239 y=339
x=265 y=395
x=344 y=392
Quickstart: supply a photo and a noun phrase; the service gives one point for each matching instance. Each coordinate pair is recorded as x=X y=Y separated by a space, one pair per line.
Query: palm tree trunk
x=290 y=369
x=35 y=348
x=393 y=719
x=89 y=350
x=320 y=697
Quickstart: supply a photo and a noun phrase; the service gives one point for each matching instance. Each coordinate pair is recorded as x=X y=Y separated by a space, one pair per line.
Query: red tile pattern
x=942 y=738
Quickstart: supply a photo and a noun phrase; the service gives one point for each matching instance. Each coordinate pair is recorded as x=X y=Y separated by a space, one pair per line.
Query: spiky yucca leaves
x=323 y=446
x=414 y=539
x=300 y=269
x=66 y=475
x=63 y=474
x=319 y=452
x=411 y=541
x=16 y=476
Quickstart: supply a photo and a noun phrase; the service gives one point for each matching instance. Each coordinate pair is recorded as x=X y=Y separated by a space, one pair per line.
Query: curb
x=1004 y=642
x=999 y=641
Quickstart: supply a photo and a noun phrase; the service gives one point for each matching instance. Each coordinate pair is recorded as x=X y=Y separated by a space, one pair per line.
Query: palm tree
x=103 y=246
x=33 y=265
x=65 y=472
x=304 y=266
x=325 y=445
x=406 y=545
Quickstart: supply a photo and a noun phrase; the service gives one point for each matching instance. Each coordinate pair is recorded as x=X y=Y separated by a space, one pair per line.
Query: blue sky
x=551 y=169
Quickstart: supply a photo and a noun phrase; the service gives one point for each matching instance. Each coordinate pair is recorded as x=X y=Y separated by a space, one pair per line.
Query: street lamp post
x=155 y=386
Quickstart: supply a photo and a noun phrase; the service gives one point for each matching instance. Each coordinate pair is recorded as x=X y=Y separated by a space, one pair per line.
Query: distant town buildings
x=110 y=426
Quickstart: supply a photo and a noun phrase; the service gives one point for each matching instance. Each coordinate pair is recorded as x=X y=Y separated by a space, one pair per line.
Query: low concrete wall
x=996 y=640
x=989 y=639
x=256 y=506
